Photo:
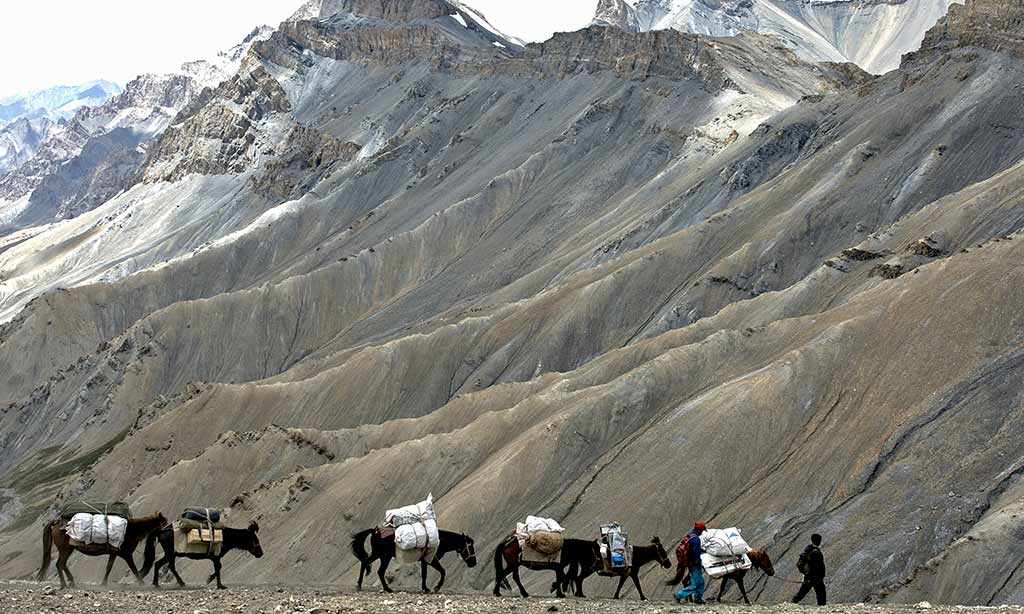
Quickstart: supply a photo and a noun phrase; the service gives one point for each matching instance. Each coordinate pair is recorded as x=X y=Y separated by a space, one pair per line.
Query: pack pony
x=642 y=556
x=55 y=534
x=382 y=548
x=234 y=539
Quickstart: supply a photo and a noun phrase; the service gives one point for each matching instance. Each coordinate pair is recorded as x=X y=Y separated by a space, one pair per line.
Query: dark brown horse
x=382 y=548
x=759 y=558
x=580 y=552
x=234 y=539
x=642 y=555
x=55 y=533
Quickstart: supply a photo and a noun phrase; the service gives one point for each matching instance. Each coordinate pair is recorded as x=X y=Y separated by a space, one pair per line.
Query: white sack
x=723 y=542
x=410 y=514
x=97 y=529
x=411 y=536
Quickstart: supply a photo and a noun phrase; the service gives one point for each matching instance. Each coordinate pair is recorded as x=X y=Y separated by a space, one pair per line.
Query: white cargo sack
x=410 y=513
x=719 y=566
x=723 y=542
x=416 y=534
x=97 y=529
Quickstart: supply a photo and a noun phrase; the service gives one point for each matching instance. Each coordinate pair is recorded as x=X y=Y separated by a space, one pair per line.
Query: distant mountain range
x=57 y=102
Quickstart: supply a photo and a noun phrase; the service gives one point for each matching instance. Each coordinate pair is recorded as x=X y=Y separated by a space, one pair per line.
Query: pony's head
x=660 y=553
x=253 y=543
x=468 y=551
x=762 y=561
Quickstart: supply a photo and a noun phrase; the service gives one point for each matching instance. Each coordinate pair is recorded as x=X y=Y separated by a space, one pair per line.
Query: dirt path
x=44 y=598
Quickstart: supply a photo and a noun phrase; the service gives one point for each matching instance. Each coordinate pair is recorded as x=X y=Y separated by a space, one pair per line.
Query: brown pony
x=642 y=555
x=54 y=533
x=759 y=558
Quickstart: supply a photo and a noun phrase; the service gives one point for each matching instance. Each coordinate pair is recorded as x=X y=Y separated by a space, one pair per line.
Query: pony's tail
x=358 y=546
x=47 y=548
x=149 y=553
x=499 y=567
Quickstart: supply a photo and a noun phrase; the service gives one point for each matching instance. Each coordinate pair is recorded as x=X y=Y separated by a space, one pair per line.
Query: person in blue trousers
x=693 y=551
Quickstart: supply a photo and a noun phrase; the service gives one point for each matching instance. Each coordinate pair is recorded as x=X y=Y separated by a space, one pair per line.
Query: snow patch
x=457 y=17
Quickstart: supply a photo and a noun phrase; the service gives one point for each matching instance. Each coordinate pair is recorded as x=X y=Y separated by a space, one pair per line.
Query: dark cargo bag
x=119 y=509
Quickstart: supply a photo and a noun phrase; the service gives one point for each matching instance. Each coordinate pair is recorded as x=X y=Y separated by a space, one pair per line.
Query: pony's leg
x=559 y=580
x=500 y=573
x=519 y=583
x=62 y=564
x=384 y=562
x=110 y=565
x=423 y=576
x=170 y=565
x=743 y=591
x=216 y=572
x=622 y=581
x=364 y=568
x=436 y=564
x=636 y=582
x=584 y=574
x=61 y=558
x=156 y=569
x=721 y=591
x=131 y=565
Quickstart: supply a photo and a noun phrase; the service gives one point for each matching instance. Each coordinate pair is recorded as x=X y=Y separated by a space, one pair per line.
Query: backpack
x=803 y=564
x=683 y=550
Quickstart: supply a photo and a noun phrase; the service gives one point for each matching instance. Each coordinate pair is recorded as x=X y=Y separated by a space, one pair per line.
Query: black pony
x=579 y=552
x=234 y=539
x=382 y=547
x=642 y=555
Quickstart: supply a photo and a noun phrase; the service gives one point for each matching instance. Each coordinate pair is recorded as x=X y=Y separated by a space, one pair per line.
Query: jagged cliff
x=647 y=276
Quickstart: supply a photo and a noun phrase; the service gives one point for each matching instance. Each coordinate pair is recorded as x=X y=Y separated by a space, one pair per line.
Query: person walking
x=695 y=588
x=812 y=564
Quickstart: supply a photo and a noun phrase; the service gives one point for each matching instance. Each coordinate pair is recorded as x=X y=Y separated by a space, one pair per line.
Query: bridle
x=467 y=547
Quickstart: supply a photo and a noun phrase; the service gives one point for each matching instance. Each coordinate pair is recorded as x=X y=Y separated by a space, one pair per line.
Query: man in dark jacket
x=695 y=588
x=812 y=564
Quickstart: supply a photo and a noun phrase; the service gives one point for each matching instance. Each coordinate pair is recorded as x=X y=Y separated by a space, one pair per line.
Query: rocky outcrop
x=990 y=24
x=220 y=137
x=663 y=53
x=390 y=10
x=308 y=156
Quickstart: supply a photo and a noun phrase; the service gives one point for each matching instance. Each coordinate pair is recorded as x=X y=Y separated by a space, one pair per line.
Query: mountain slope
x=647 y=276
x=872 y=34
